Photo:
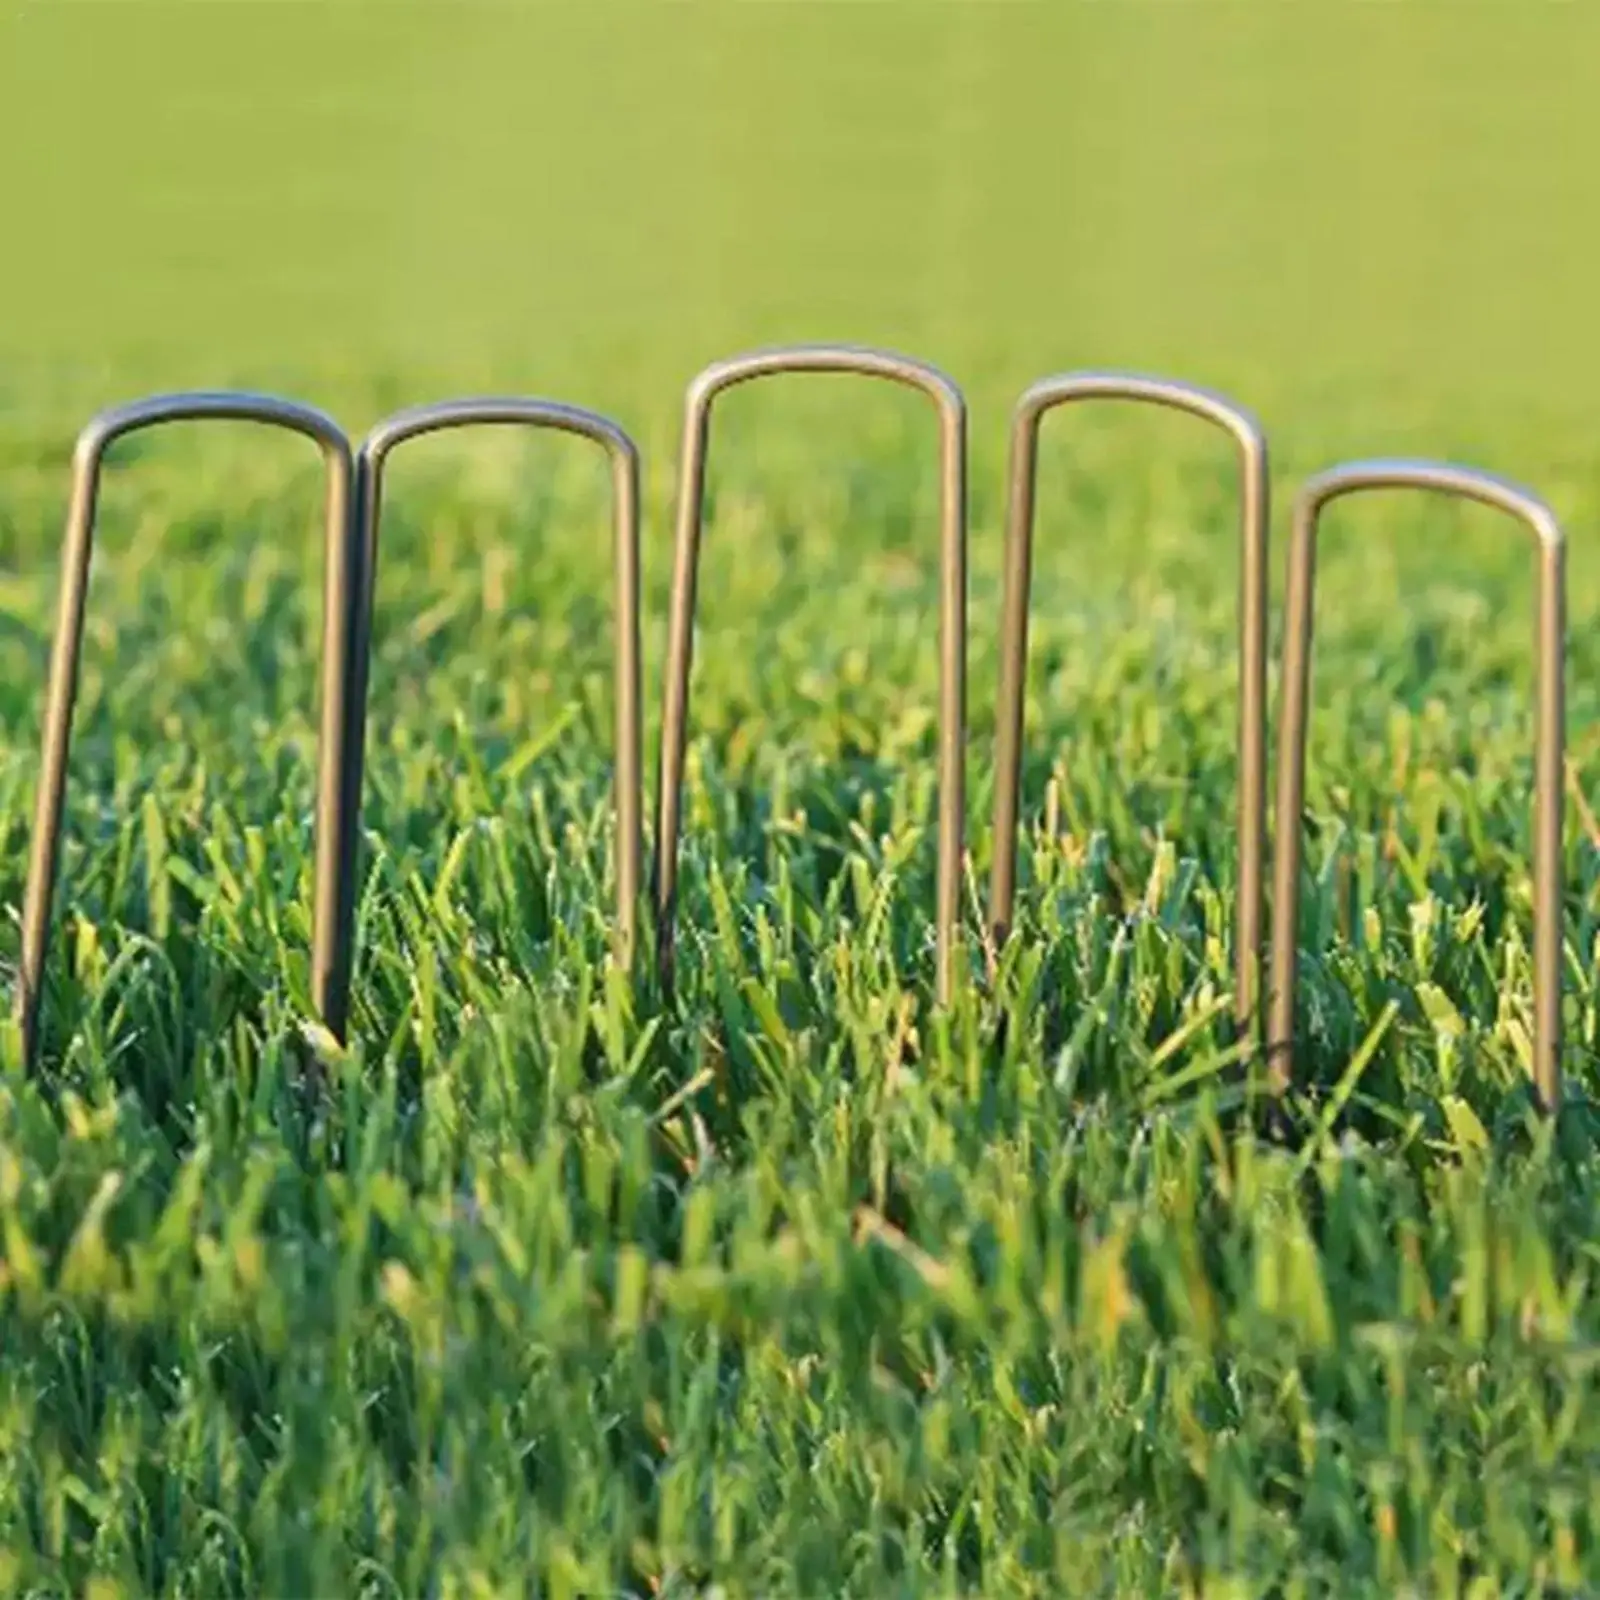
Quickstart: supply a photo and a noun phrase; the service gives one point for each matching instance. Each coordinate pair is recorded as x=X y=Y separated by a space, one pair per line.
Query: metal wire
x=1246 y=432
x=550 y=416
x=951 y=408
x=353 y=513
x=329 y=955
x=1550 y=644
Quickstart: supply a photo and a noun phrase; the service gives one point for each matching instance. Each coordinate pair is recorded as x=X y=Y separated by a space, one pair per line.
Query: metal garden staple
x=1066 y=389
x=548 y=415
x=951 y=407
x=1465 y=483
x=330 y=956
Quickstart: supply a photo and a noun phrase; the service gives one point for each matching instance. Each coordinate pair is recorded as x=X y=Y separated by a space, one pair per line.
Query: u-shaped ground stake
x=330 y=949
x=550 y=416
x=1045 y=396
x=952 y=611
x=1464 y=483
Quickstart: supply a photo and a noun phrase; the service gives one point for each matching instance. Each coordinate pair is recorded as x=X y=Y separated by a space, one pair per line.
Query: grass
x=799 y=1287
x=795 y=1287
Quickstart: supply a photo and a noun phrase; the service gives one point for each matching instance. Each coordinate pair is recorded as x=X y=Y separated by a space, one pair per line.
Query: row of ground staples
x=354 y=498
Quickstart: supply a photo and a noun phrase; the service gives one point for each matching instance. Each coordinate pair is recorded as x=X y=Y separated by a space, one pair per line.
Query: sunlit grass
x=798 y=1288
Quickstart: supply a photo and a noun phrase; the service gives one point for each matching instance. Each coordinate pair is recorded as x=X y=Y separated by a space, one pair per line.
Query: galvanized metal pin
x=1246 y=432
x=549 y=416
x=951 y=408
x=330 y=955
x=1550 y=643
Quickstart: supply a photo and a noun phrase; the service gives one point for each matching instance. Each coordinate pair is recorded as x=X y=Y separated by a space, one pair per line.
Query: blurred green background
x=1360 y=218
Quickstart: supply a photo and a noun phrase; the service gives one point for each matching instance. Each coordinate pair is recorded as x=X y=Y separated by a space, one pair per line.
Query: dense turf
x=799 y=1288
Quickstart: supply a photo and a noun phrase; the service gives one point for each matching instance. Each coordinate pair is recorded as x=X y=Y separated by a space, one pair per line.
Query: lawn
x=796 y=1285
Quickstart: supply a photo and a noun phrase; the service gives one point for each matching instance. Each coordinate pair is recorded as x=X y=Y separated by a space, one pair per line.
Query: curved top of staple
x=223 y=405
x=1173 y=393
x=491 y=410
x=1470 y=483
x=844 y=358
